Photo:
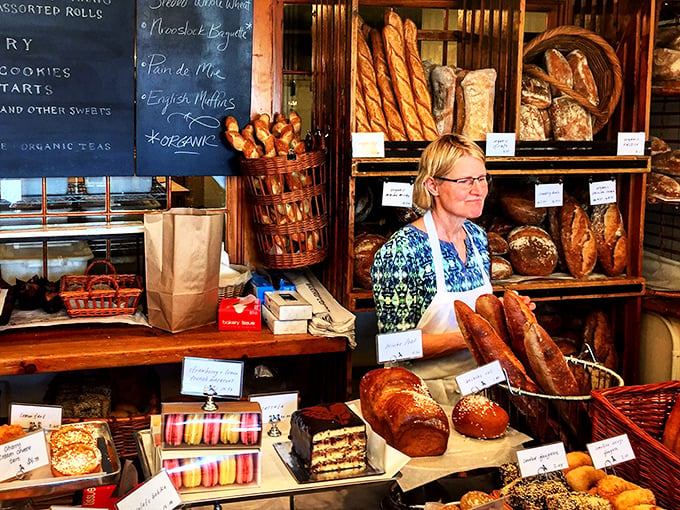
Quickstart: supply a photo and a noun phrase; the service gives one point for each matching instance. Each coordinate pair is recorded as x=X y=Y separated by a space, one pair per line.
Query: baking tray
x=302 y=475
x=40 y=482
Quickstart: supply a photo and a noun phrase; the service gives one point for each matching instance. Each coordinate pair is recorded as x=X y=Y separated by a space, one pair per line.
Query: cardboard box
x=279 y=327
x=288 y=305
x=239 y=314
x=260 y=284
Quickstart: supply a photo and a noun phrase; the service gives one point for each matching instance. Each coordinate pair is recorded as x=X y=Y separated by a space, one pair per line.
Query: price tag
x=541 y=460
x=397 y=194
x=157 y=493
x=276 y=406
x=603 y=192
x=611 y=451
x=22 y=455
x=500 y=144
x=10 y=190
x=399 y=346
x=201 y=376
x=368 y=145
x=630 y=144
x=31 y=417
x=479 y=378
x=549 y=195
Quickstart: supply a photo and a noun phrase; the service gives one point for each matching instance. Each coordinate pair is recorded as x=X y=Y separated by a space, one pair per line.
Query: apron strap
x=436 y=248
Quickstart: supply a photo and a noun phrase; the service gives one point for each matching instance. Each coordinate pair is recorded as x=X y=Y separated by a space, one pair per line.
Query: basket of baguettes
x=571 y=84
x=287 y=183
x=548 y=395
x=649 y=415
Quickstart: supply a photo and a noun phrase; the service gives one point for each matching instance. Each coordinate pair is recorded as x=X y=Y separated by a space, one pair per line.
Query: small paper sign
x=22 y=455
x=368 y=145
x=399 y=346
x=631 y=144
x=157 y=493
x=11 y=190
x=397 y=194
x=202 y=376
x=500 y=144
x=276 y=406
x=549 y=195
x=541 y=460
x=479 y=378
x=31 y=417
x=603 y=192
x=611 y=451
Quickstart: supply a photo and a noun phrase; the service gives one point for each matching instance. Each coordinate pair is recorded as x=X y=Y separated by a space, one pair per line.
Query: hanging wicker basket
x=602 y=59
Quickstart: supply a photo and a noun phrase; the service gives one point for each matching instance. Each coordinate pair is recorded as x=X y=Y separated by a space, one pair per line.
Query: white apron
x=440 y=317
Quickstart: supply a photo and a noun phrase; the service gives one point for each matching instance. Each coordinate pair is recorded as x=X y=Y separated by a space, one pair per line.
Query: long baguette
x=360 y=115
x=394 y=51
x=374 y=109
x=395 y=125
x=517 y=314
x=491 y=308
x=421 y=93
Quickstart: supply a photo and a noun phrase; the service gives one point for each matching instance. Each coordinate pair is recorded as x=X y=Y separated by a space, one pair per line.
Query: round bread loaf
x=611 y=238
x=520 y=208
x=662 y=188
x=578 y=240
x=532 y=251
x=497 y=245
x=500 y=268
x=76 y=459
x=473 y=499
x=365 y=247
x=478 y=416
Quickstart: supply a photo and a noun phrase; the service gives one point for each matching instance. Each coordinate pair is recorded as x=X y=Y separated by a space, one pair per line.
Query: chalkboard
x=194 y=61
x=66 y=88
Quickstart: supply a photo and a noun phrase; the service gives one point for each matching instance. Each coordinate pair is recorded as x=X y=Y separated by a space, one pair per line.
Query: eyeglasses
x=468 y=182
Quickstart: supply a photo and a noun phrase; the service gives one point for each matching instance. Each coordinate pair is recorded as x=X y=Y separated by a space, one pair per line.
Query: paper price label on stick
x=276 y=406
x=541 y=460
x=397 y=194
x=603 y=192
x=549 y=195
x=22 y=455
x=630 y=144
x=31 y=417
x=611 y=451
x=399 y=346
x=480 y=378
x=368 y=145
x=221 y=378
x=157 y=493
x=500 y=144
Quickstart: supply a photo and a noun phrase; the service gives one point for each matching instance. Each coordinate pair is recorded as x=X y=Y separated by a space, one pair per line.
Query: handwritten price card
x=630 y=144
x=399 y=346
x=549 y=195
x=368 y=145
x=23 y=455
x=480 y=378
x=157 y=493
x=32 y=416
x=602 y=192
x=202 y=376
x=611 y=451
x=397 y=194
x=276 y=406
x=500 y=144
x=541 y=460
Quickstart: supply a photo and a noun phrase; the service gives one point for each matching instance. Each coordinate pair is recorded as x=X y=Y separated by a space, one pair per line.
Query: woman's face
x=459 y=199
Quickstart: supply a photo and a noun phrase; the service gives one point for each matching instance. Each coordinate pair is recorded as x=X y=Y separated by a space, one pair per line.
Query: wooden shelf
x=666 y=88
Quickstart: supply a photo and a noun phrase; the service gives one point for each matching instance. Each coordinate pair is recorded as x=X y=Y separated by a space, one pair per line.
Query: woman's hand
x=527 y=300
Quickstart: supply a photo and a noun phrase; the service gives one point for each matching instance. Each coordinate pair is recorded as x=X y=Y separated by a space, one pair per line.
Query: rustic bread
x=398 y=407
x=361 y=124
x=532 y=251
x=666 y=64
x=479 y=90
x=578 y=240
x=520 y=207
x=443 y=83
x=671 y=429
x=459 y=102
x=611 y=238
x=658 y=145
x=569 y=120
x=662 y=188
x=497 y=244
x=535 y=92
x=531 y=124
x=395 y=126
x=584 y=81
x=667 y=163
x=557 y=67
x=490 y=307
x=365 y=248
x=555 y=231
x=500 y=268
x=597 y=333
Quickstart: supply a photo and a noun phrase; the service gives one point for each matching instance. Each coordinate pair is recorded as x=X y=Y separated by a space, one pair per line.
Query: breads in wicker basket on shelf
x=264 y=137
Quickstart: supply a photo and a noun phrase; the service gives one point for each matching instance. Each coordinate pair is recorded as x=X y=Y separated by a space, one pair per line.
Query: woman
x=439 y=258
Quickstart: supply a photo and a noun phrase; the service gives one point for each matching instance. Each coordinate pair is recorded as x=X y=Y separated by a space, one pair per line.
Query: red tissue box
x=239 y=314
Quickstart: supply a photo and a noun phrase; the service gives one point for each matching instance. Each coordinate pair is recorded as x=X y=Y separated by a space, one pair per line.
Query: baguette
x=421 y=93
x=395 y=125
x=360 y=115
x=372 y=99
x=396 y=60
x=517 y=314
x=491 y=308
x=392 y=18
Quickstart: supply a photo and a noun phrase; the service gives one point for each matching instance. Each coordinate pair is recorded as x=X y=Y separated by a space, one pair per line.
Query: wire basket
x=289 y=208
x=602 y=60
x=100 y=295
x=641 y=412
x=556 y=417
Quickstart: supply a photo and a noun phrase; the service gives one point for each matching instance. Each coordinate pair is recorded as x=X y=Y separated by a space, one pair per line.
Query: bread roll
x=611 y=238
x=477 y=416
x=535 y=92
x=443 y=82
x=500 y=268
x=473 y=499
x=479 y=90
x=662 y=188
x=531 y=124
x=557 y=67
x=372 y=97
x=421 y=93
x=395 y=126
x=520 y=207
x=578 y=240
x=569 y=120
x=532 y=251
x=584 y=82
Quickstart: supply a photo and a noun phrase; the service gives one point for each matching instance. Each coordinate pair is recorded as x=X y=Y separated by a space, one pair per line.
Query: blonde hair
x=437 y=160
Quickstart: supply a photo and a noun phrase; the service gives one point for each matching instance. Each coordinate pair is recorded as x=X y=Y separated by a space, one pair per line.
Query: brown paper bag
x=182 y=248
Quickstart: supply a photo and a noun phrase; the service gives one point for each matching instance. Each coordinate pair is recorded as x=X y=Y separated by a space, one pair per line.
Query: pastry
x=211 y=428
x=250 y=428
x=230 y=428
x=193 y=429
x=209 y=472
x=245 y=469
x=227 y=470
x=477 y=416
x=174 y=429
x=76 y=459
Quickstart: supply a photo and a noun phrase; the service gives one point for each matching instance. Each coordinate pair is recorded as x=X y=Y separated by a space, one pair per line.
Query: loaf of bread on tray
x=398 y=406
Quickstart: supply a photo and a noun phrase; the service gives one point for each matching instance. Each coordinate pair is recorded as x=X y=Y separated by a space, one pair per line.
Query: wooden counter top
x=56 y=349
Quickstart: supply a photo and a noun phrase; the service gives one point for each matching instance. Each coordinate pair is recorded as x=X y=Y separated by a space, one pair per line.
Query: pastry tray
x=302 y=475
x=41 y=482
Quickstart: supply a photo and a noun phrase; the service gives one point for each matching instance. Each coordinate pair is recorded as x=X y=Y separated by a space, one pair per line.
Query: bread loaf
x=477 y=416
x=361 y=124
x=666 y=64
x=557 y=66
x=611 y=238
x=597 y=334
x=443 y=82
x=491 y=308
x=547 y=123
x=421 y=93
x=531 y=124
x=569 y=120
x=662 y=188
x=555 y=231
x=517 y=313
x=398 y=407
x=535 y=92
x=396 y=59
x=520 y=207
x=658 y=145
x=500 y=268
x=392 y=18
x=671 y=429
x=667 y=163
x=365 y=248
x=459 y=110
x=479 y=89
x=372 y=97
x=578 y=240
x=532 y=251
x=584 y=82
x=497 y=245
x=395 y=126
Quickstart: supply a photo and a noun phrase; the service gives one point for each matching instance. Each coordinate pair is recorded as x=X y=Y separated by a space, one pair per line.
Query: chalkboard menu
x=66 y=88
x=194 y=60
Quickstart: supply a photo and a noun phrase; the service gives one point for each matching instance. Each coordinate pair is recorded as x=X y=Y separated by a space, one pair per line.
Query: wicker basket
x=561 y=418
x=289 y=208
x=641 y=412
x=235 y=284
x=602 y=60
x=100 y=295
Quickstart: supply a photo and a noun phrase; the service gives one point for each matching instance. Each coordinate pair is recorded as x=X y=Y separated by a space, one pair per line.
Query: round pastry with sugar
x=76 y=459
x=70 y=434
x=478 y=416
x=532 y=251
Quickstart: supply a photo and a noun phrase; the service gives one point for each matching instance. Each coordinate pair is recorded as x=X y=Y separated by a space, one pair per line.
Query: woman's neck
x=449 y=228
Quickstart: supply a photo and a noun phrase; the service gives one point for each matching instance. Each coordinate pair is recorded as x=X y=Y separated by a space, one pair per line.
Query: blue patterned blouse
x=404 y=281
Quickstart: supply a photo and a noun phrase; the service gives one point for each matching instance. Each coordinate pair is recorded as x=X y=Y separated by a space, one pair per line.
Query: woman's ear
x=431 y=186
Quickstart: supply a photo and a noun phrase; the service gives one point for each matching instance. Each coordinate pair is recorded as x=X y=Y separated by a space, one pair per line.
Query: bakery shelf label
x=500 y=144
x=22 y=455
x=603 y=192
x=31 y=416
x=157 y=493
x=630 y=144
x=211 y=377
x=399 y=346
x=611 y=451
x=397 y=194
x=542 y=460
x=368 y=145
x=276 y=406
x=549 y=195
x=479 y=378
